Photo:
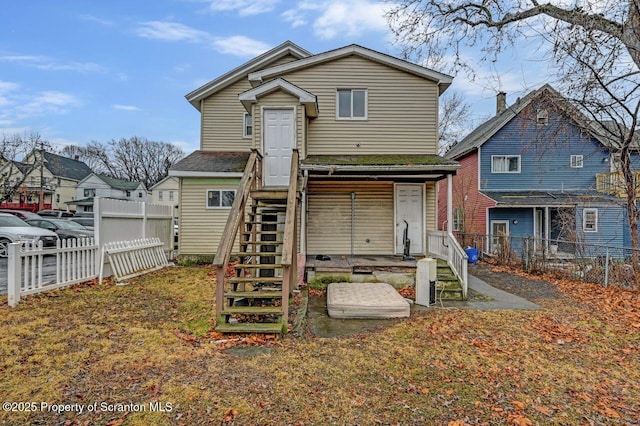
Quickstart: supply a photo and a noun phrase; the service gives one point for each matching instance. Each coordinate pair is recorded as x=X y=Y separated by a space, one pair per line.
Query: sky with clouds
x=76 y=71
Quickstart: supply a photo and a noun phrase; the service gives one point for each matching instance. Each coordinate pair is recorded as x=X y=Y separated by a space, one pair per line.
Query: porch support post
x=547 y=227
x=449 y=215
x=449 y=204
x=535 y=231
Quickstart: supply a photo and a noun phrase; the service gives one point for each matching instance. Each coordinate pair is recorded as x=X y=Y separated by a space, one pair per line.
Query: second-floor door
x=279 y=140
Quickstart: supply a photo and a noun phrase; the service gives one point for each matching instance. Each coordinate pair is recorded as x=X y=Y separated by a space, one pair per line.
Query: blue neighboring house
x=541 y=170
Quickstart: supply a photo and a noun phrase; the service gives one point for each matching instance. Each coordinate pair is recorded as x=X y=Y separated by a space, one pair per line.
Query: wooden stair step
x=263 y=232
x=269 y=195
x=252 y=310
x=257 y=265
x=256 y=253
x=265 y=223
x=252 y=327
x=271 y=294
x=255 y=279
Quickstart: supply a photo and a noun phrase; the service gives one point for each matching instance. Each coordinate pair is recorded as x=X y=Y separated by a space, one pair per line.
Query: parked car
x=64 y=228
x=55 y=213
x=16 y=230
x=22 y=214
x=87 y=222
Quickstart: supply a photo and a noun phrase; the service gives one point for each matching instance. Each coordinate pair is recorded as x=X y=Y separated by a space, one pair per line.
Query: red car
x=22 y=214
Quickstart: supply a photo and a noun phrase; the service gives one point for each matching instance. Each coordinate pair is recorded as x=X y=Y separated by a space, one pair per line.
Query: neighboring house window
x=139 y=194
x=590 y=220
x=577 y=161
x=89 y=192
x=351 y=104
x=33 y=180
x=128 y=193
x=458 y=219
x=220 y=198
x=505 y=164
x=160 y=196
x=170 y=195
x=248 y=125
x=543 y=117
x=57 y=198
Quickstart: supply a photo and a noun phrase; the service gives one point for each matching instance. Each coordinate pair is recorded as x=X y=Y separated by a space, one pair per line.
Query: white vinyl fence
x=131 y=238
x=75 y=262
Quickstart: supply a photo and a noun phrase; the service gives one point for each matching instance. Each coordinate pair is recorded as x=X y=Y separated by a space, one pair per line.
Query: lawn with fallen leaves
x=136 y=349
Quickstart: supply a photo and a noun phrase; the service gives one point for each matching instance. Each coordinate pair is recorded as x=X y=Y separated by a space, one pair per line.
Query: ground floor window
x=220 y=198
x=590 y=220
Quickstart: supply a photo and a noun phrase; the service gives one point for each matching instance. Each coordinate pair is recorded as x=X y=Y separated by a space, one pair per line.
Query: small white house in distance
x=165 y=192
x=96 y=185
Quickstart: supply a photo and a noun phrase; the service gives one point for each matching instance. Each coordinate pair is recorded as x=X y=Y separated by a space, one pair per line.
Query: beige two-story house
x=363 y=127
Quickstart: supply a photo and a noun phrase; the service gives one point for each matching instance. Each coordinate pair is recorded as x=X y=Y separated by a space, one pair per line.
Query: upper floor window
x=128 y=193
x=90 y=192
x=577 y=161
x=170 y=195
x=590 y=220
x=505 y=164
x=542 y=117
x=351 y=104
x=160 y=196
x=458 y=219
x=220 y=198
x=247 y=125
x=139 y=194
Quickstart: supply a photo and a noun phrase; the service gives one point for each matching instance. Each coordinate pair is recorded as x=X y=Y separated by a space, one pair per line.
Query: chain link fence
x=579 y=261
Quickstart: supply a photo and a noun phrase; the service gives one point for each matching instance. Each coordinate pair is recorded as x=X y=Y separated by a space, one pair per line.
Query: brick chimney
x=501 y=102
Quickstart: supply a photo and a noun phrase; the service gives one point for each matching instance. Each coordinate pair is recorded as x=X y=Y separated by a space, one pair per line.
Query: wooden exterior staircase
x=252 y=292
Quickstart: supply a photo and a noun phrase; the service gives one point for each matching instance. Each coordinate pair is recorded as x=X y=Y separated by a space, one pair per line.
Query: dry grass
x=151 y=341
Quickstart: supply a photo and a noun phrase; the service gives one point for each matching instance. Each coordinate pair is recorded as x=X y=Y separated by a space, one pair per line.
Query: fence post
x=14 y=274
x=144 y=220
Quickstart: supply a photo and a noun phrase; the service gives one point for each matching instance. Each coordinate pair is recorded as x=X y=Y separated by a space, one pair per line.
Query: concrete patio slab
x=365 y=300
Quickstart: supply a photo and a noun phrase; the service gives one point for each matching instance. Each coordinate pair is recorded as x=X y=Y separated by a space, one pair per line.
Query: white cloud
x=332 y=18
x=240 y=46
x=126 y=107
x=46 y=63
x=171 y=31
x=95 y=19
x=244 y=7
x=47 y=102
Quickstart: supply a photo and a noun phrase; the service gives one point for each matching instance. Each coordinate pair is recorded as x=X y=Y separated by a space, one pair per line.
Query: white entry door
x=408 y=201
x=499 y=232
x=279 y=140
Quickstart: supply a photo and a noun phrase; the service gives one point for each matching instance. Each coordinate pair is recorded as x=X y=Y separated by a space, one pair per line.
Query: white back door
x=279 y=140
x=408 y=201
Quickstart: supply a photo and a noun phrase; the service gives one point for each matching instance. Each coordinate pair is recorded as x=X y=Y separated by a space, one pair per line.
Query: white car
x=15 y=230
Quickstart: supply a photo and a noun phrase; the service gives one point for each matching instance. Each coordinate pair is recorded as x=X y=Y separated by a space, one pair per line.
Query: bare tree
x=453 y=122
x=594 y=47
x=135 y=159
x=14 y=173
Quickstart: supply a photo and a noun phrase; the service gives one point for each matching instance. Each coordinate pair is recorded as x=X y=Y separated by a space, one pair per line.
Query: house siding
x=329 y=218
x=465 y=195
x=545 y=156
x=610 y=232
x=201 y=228
x=402 y=109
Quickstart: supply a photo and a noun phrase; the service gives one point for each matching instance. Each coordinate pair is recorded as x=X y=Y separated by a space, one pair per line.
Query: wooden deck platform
x=359 y=264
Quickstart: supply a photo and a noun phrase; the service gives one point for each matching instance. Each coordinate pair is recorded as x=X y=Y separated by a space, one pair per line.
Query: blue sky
x=77 y=70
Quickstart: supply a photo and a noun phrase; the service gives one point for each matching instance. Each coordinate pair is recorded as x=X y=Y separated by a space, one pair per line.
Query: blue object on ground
x=472 y=253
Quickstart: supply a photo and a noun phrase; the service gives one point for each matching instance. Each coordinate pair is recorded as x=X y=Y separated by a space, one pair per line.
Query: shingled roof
x=65 y=167
x=211 y=162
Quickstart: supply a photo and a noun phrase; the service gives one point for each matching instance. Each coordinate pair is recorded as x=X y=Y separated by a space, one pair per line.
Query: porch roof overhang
x=549 y=198
x=379 y=166
x=211 y=164
x=308 y=99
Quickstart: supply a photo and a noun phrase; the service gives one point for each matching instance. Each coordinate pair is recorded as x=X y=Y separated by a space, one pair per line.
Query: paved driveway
x=49 y=272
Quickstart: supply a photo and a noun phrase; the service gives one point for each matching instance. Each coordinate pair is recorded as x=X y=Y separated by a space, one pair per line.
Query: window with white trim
x=458 y=219
x=170 y=195
x=160 y=196
x=220 y=198
x=247 y=125
x=505 y=164
x=351 y=104
x=590 y=220
x=577 y=161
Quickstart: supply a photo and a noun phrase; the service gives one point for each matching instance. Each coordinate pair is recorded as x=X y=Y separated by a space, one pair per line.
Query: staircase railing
x=444 y=246
x=290 y=239
x=251 y=180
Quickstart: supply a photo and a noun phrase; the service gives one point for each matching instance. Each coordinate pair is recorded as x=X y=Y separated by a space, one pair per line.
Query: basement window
x=220 y=198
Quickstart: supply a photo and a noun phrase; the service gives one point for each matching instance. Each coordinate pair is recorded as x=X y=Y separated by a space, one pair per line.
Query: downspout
x=353 y=221
x=303 y=213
